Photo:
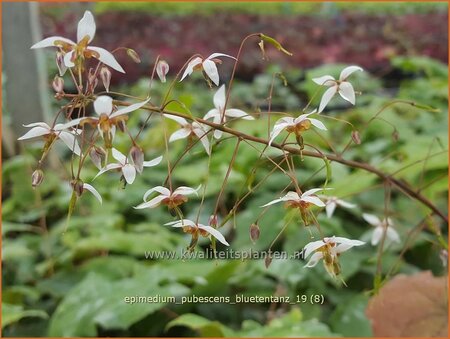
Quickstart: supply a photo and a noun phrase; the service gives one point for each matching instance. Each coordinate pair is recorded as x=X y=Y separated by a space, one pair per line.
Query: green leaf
x=13 y=313
x=205 y=327
x=349 y=318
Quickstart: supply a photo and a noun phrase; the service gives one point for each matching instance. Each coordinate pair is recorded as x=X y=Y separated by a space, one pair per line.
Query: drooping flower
x=166 y=197
x=75 y=53
x=329 y=250
x=59 y=131
x=219 y=114
x=295 y=125
x=208 y=65
x=126 y=166
x=332 y=202
x=341 y=86
x=162 y=68
x=197 y=229
x=381 y=226
x=293 y=199
x=189 y=130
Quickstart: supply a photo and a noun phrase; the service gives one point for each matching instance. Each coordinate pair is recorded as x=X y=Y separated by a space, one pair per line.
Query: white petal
x=129 y=109
x=202 y=135
x=341 y=248
x=181 y=223
x=312 y=191
x=330 y=207
x=326 y=97
x=347 y=92
x=190 y=67
x=211 y=71
x=86 y=27
x=342 y=240
x=71 y=142
x=345 y=203
x=35 y=132
x=107 y=168
x=184 y=190
x=376 y=235
x=311 y=247
x=277 y=129
x=68 y=59
x=160 y=189
x=180 y=120
x=93 y=191
x=326 y=80
x=273 y=202
x=122 y=159
x=152 y=203
x=129 y=173
x=216 y=55
x=318 y=124
x=392 y=234
x=313 y=200
x=291 y=196
x=71 y=123
x=347 y=71
x=36 y=124
x=215 y=233
x=237 y=113
x=315 y=258
x=180 y=134
x=50 y=42
x=371 y=219
x=218 y=134
x=153 y=162
x=107 y=58
x=103 y=105
x=219 y=99
x=211 y=114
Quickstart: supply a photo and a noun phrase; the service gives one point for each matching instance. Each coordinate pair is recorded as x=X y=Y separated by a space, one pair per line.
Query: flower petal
x=190 y=67
x=215 y=233
x=313 y=200
x=315 y=258
x=180 y=120
x=107 y=168
x=129 y=173
x=317 y=123
x=211 y=114
x=219 y=99
x=184 y=190
x=277 y=129
x=107 y=58
x=311 y=247
x=372 y=219
x=181 y=223
x=160 y=189
x=326 y=80
x=326 y=97
x=330 y=207
x=86 y=27
x=273 y=202
x=347 y=71
x=211 y=71
x=68 y=59
x=50 y=42
x=312 y=191
x=93 y=191
x=392 y=234
x=103 y=105
x=152 y=203
x=180 y=134
x=376 y=235
x=71 y=142
x=237 y=113
x=345 y=203
x=122 y=159
x=342 y=240
x=202 y=135
x=153 y=162
x=216 y=55
x=35 y=132
x=129 y=109
x=347 y=92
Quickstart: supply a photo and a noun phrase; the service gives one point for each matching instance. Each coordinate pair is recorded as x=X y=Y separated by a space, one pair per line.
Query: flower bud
x=356 y=137
x=213 y=220
x=268 y=260
x=137 y=155
x=133 y=55
x=77 y=186
x=37 y=177
x=105 y=75
x=58 y=84
x=92 y=79
x=60 y=63
x=98 y=155
x=162 y=68
x=395 y=135
x=254 y=232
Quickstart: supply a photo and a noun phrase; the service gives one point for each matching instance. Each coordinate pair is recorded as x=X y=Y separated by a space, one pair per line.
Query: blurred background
x=72 y=282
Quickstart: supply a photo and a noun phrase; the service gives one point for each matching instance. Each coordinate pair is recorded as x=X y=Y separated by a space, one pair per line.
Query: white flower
x=296 y=125
x=93 y=191
x=39 y=129
x=171 y=199
x=332 y=202
x=303 y=200
x=194 y=228
x=341 y=86
x=329 y=250
x=81 y=49
x=381 y=226
x=127 y=167
x=219 y=115
x=208 y=65
x=187 y=129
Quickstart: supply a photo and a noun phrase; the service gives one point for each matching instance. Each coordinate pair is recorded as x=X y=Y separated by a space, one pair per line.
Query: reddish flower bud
x=60 y=63
x=77 y=186
x=98 y=155
x=268 y=260
x=37 y=177
x=162 y=68
x=105 y=75
x=356 y=137
x=254 y=232
x=133 y=55
x=213 y=220
x=137 y=155
x=58 y=84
